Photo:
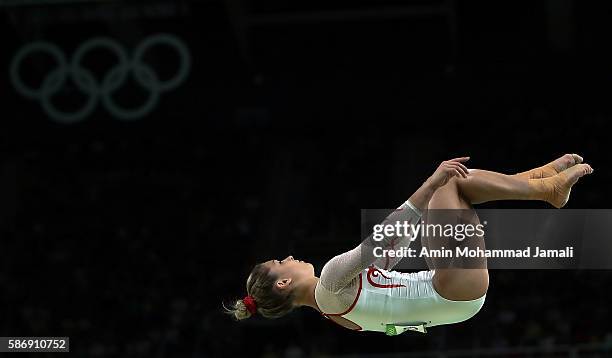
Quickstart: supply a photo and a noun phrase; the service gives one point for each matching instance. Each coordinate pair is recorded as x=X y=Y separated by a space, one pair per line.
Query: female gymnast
x=358 y=291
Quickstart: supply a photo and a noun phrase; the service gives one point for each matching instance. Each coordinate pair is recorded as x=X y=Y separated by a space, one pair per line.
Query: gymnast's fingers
x=463 y=172
x=464 y=168
x=460 y=159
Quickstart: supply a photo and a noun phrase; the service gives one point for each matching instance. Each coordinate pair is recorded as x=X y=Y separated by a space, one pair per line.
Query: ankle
x=539 y=189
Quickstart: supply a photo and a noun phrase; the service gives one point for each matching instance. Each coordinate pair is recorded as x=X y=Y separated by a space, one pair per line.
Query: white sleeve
x=340 y=270
x=406 y=212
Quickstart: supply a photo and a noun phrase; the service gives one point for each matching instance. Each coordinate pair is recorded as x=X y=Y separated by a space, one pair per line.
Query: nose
x=290 y=258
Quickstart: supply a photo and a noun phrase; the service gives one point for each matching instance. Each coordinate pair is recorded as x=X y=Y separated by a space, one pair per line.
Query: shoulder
x=330 y=287
x=335 y=301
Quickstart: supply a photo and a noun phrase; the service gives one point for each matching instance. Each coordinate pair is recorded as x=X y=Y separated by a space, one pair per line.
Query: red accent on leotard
x=374 y=272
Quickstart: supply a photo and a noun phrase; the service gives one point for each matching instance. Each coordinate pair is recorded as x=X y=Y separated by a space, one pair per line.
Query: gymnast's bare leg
x=551 y=183
x=457 y=284
x=483 y=185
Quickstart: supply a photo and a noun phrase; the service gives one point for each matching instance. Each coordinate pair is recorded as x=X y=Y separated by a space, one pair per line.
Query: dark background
x=127 y=236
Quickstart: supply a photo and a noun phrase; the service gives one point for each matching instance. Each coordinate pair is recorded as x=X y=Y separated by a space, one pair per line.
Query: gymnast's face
x=289 y=270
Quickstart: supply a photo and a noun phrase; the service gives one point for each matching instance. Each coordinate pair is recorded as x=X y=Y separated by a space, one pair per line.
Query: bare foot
x=556 y=189
x=553 y=168
x=564 y=162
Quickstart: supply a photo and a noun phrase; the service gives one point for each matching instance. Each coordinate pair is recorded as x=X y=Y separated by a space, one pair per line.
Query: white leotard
x=362 y=289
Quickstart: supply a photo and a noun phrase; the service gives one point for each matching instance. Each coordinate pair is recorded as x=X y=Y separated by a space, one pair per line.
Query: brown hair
x=270 y=301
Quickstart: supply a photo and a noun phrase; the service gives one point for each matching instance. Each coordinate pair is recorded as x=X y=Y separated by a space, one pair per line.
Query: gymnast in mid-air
x=359 y=290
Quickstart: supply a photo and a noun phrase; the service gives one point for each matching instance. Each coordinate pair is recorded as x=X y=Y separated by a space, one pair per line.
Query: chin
x=311 y=268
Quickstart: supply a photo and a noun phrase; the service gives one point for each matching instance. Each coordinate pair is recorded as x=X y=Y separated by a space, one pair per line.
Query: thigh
x=461 y=284
x=458 y=284
x=448 y=197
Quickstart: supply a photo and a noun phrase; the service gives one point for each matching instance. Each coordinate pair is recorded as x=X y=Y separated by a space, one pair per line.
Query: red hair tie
x=249 y=302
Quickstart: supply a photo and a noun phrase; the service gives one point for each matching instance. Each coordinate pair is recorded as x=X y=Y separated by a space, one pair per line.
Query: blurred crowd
x=129 y=237
x=131 y=245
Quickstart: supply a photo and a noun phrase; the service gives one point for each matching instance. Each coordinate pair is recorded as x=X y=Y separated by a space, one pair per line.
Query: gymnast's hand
x=448 y=169
x=445 y=171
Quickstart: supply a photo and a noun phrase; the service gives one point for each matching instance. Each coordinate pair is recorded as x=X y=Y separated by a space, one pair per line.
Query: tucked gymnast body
x=359 y=291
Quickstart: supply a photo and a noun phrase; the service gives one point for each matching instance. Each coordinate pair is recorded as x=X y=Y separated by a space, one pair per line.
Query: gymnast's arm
x=342 y=269
x=405 y=213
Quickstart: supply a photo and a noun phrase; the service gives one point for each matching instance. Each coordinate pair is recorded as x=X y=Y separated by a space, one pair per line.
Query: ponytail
x=262 y=297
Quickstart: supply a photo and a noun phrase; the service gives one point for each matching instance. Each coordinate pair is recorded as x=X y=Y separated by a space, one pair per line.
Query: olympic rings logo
x=112 y=80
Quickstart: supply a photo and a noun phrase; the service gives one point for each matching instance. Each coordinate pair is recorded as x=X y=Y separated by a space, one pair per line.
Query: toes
x=585 y=169
x=571 y=159
x=576 y=158
x=588 y=169
x=567 y=161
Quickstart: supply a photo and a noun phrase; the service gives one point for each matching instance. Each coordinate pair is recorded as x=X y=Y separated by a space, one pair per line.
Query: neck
x=305 y=296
